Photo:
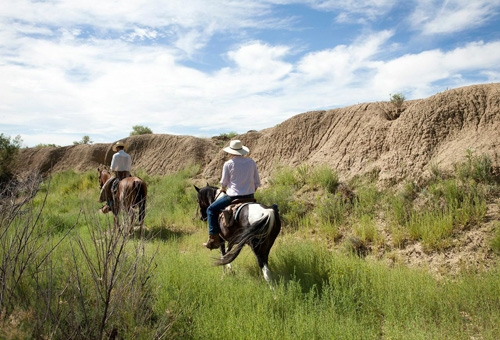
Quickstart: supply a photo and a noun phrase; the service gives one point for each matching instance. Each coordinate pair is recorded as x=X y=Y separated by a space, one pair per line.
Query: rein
x=218 y=193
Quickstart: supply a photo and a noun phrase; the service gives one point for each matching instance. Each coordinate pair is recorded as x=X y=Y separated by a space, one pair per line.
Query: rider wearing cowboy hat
x=240 y=179
x=121 y=163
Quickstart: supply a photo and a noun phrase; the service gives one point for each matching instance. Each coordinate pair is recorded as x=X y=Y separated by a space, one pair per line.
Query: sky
x=73 y=68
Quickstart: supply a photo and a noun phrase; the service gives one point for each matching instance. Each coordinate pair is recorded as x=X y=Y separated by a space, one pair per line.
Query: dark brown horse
x=130 y=195
x=255 y=225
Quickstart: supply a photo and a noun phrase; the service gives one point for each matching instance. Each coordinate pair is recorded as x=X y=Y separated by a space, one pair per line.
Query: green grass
x=69 y=274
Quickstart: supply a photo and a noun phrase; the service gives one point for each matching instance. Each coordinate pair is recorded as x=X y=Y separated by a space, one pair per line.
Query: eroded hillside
x=361 y=138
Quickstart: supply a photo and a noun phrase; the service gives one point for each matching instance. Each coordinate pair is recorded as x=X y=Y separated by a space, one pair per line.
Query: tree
x=8 y=151
x=397 y=100
x=85 y=140
x=140 y=130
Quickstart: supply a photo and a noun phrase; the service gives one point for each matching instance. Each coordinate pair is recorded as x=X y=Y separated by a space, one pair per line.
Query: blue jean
x=213 y=211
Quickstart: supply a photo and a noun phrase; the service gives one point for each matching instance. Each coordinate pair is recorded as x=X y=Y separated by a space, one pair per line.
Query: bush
x=8 y=151
x=228 y=136
x=495 y=242
x=41 y=145
x=478 y=168
x=84 y=140
x=397 y=100
x=326 y=178
x=140 y=130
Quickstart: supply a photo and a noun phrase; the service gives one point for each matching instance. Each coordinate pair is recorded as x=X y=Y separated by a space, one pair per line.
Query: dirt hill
x=361 y=138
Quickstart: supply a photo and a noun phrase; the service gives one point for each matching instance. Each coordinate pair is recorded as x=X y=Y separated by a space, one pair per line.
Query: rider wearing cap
x=240 y=179
x=121 y=163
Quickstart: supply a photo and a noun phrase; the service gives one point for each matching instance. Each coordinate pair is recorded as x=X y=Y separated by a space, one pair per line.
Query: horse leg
x=262 y=254
x=116 y=220
x=142 y=212
x=262 y=260
x=226 y=268
x=131 y=218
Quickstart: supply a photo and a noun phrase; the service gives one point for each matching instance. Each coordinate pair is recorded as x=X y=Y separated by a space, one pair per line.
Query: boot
x=213 y=242
x=105 y=209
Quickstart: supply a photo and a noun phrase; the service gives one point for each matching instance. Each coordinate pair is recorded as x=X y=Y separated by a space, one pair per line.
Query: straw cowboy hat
x=236 y=148
x=120 y=143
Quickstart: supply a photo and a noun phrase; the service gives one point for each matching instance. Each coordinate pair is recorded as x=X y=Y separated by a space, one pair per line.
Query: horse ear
x=197 y=189
x=208 y=184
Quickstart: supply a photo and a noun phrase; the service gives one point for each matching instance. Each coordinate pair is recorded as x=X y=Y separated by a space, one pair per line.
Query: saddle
x=114 y=186
x=229 y=215
x=109 y=189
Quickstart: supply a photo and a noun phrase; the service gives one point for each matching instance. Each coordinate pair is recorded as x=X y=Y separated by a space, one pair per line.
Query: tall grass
x=172 y=199
x=434 y=212
x=67 y=273
x=322 y=296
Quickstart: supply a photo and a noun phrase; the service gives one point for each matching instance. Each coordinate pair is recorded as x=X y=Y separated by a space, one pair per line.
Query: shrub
x=287 y=177
x=228 y=136
x=475 y=167
x=495 y=242
x=8 y=151
x=41 y=145
x=332 y=208
x=397 y=100
x=140 y=130
x=325 y=177
x=84 y=140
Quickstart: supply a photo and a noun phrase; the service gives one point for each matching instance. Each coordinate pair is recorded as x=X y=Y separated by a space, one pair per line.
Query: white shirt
x=240 y=176
x=121 y=161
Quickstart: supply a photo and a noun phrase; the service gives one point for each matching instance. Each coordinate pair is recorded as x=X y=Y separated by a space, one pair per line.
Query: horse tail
x=141 y=192
x=259 y=231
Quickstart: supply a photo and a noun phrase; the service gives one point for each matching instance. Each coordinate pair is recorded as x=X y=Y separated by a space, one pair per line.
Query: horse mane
x=208 y=193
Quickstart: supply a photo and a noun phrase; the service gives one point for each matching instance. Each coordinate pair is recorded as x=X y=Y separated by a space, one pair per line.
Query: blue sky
x=204 y=67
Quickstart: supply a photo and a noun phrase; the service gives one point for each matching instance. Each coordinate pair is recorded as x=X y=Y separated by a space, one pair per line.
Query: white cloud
x=414 y=71
x=451 y=16
x=355 y=10
x=97 y=68
x=341 y=63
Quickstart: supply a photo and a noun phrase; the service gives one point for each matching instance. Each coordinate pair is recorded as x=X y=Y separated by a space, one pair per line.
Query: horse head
x=206 y=196
x=103 y=175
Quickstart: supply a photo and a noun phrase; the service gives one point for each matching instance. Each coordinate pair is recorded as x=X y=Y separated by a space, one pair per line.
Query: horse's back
x=258 y=212
x=133 y=187
x=130 y=181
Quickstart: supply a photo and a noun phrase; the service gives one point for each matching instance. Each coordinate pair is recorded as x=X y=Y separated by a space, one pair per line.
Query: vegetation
x=42 y=145
x=84 y=140
x=8 y=151
x=228 y=136
x=223 y=138
x=397 y=100
x=140 y=130
x=66 y=273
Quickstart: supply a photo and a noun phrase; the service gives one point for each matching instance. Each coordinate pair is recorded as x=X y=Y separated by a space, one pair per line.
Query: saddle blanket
x=230 y=214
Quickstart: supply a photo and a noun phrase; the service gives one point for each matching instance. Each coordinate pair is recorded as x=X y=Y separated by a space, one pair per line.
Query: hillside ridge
x=434 y=131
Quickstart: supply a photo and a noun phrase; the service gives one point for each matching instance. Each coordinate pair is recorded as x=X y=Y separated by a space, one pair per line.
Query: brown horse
x=255 y=225
x=131 y=194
